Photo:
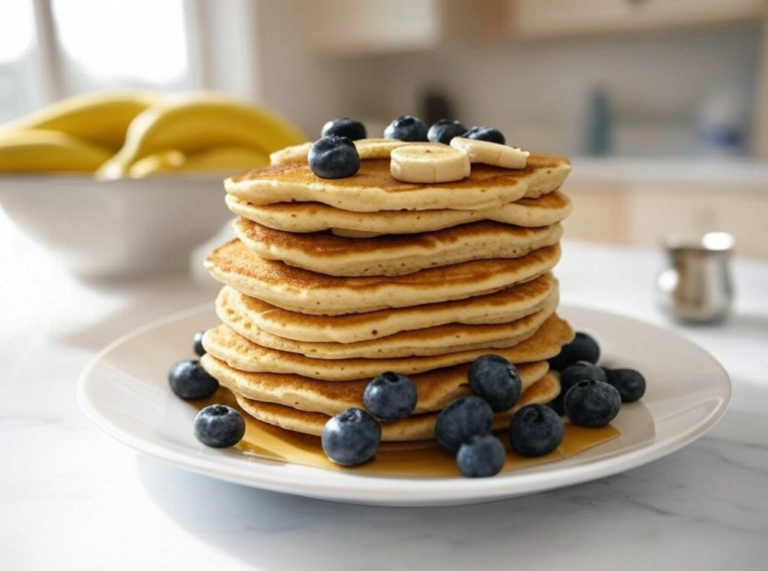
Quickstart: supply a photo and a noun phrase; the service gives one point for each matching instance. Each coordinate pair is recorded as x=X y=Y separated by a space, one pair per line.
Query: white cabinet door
x=550 y=18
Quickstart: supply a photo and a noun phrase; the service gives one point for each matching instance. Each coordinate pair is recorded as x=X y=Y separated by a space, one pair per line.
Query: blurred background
x=661 y=104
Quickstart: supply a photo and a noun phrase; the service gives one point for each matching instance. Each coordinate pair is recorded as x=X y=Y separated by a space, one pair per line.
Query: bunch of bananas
x=139 y=134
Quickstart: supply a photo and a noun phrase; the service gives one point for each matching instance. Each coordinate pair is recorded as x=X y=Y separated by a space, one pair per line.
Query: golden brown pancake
x=437 y=340
x=503 y=306
x=436 y=389
x=313 y=293
x=301 y=217
x=240 y=353
x=416 y=427
x=394 y=255
x=373 y=188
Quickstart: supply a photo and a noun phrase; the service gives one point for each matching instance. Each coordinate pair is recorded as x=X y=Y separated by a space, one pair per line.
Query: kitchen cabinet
x=552 y=18
x=375 y=27
x=647 y=214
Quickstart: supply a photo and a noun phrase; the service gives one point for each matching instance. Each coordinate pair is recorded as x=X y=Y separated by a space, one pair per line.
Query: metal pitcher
x=697 y=287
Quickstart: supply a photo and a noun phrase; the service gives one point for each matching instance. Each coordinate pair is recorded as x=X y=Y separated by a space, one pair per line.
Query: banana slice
x=491 y=153
x=378 y=148
x=290 y=155
x=428 y=163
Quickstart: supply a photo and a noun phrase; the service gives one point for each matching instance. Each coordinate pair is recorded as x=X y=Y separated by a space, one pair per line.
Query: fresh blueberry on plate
x=219 y=426
x=190 y=381
x=629 y=382
x=197 y=343
x=535 y=430
x=351 y=437
x=390 y=396
x=495 y=379
x=584 y=347
x=462 y=419
x=481 y=456
x=572 y=374
x=592 y=404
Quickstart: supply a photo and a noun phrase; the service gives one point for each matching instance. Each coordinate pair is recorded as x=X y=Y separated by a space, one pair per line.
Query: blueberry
x=572 y=374
x=197 y=344
x=444 y=130
x=584 y=347
x=406 y=128
x=345 y=127
x=592 y=403
x=190 y=381
x=629 y=382
x=535 y=430
x=334 y=157
x=390 y=396
x=496 y=380
x=486 y=134
x=459 y=421
x=351 y=437
x=219 y=426
x=481 y=456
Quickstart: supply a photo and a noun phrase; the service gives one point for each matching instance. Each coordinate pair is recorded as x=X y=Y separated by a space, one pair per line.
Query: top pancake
x=373 y=188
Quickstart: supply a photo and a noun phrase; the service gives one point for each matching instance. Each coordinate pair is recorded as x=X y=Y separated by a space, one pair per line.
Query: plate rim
x=369 y=489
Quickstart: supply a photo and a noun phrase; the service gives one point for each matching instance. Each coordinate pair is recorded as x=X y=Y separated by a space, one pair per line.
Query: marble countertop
x=71 y=497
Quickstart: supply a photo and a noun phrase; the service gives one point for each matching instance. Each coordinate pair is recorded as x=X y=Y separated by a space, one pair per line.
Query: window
x=121 y=43
x=17 y=46
x=51 y=49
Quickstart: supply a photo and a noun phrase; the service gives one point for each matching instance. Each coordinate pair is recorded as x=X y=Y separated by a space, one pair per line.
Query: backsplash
x=658 y=88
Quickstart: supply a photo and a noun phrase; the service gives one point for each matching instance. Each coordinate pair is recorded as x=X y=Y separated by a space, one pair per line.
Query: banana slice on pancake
x=491 y=153
x=428 y=163
x=378 y=148
x=290 y=155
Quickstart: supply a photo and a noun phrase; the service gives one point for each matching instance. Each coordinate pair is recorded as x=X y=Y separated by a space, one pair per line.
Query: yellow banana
x=100 y=118
x=40 y=150
x=158 y=163
x=194 y=123
x=226 y=159
x=218 y=159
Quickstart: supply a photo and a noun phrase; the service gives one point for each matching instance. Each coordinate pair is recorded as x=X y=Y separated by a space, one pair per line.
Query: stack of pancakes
x=330 y=283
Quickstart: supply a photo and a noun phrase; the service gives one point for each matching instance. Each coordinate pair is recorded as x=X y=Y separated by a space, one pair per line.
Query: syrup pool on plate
x=407 y=459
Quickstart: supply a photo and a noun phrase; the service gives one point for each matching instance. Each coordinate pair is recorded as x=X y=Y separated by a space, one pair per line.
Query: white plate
x=125 y=391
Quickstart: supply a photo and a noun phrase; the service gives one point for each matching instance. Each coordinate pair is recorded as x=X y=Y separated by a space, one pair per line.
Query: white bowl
x=117 y=229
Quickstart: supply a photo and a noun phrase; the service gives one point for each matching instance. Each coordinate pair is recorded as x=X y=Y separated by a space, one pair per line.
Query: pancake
x=394 y=255
x=416 y=427
x=374 y=189
x=436 y=389
x=303 y=217
x=500 y=307
x=437 y=340
x=313 y=293
x=240 y=353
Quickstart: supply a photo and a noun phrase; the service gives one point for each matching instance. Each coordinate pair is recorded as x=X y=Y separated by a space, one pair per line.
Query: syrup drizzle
x=403 y=459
